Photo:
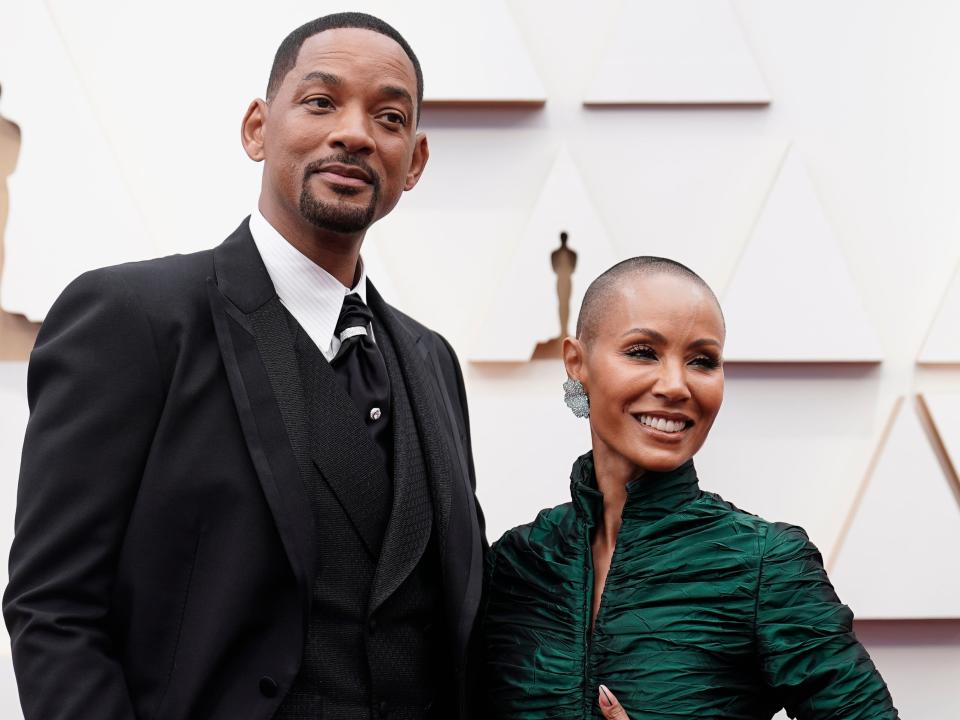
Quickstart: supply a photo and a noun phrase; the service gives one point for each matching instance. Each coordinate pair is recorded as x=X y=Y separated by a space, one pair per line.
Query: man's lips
x=348 y=175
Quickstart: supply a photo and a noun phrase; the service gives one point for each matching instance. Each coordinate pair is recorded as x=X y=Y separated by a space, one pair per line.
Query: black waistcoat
x=374 y=645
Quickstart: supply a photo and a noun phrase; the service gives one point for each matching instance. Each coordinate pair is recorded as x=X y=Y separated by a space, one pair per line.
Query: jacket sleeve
x=95 y=395
x=462 y=400
x=808 y=653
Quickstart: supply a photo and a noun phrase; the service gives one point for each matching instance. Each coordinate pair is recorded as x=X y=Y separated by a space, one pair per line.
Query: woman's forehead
x=670 y=304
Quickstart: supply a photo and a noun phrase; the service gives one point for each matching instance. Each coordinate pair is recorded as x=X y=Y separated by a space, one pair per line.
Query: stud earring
x=575 y=396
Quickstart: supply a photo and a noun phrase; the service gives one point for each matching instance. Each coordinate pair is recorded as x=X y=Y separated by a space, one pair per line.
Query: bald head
x=603 y=291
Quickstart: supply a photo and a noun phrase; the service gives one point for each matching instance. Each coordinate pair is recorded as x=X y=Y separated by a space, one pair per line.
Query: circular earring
x=575 y=396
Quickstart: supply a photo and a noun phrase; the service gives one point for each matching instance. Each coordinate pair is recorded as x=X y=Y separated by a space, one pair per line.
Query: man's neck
x=336 y=253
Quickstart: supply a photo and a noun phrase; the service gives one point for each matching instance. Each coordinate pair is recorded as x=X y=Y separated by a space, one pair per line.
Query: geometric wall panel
x=899 y=555
x=524 y=310
x=791 y=298
x=179 y=145
x=677 y=52
x=70 y=209
x=943 y=410
x=942 y=345
x=377 y=272
x=461 y=64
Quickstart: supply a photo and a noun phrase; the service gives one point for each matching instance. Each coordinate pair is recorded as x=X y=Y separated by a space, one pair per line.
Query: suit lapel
x=259 y=360
x=447 y=466
x=411 y=518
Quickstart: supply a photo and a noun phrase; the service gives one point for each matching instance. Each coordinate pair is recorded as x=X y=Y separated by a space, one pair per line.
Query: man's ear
x=574 y=356
x=252 y=129
x=421 y=153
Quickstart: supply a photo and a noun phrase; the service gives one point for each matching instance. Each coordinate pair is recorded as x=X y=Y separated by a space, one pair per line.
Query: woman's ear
x=574 y=356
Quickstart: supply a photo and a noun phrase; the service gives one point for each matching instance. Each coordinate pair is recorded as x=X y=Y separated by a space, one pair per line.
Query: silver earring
x=576 y=398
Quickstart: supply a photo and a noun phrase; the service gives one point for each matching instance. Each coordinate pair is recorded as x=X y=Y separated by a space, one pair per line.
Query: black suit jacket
x=161 y=566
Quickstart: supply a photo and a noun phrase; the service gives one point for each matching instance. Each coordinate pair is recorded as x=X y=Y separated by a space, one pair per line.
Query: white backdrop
x=863 y=94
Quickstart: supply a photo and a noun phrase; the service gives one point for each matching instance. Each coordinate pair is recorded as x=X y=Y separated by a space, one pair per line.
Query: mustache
x=344 y=158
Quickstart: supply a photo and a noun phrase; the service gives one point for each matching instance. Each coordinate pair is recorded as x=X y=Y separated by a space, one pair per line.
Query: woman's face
x=652 y=371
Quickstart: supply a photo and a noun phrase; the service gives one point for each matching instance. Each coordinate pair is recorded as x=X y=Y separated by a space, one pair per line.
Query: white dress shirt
x=312 y=295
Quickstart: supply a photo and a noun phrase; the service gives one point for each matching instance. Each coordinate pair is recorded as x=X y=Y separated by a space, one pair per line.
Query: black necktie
x=360 y=366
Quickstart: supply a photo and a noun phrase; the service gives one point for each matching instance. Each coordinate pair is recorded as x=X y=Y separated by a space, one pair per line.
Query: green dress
x=707 y=612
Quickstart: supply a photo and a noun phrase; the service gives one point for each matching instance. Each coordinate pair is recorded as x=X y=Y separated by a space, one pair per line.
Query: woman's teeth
x=659 y=423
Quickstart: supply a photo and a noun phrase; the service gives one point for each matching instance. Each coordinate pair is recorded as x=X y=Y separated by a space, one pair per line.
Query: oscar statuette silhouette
x=564 y=263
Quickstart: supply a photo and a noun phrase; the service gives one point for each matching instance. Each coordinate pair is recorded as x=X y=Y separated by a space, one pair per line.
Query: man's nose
x=671 y=382
x=353 y=132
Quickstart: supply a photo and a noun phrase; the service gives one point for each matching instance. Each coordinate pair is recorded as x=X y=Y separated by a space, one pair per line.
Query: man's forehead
x=355 y=45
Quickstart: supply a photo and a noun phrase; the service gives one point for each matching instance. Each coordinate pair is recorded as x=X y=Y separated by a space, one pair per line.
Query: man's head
x=338 y=129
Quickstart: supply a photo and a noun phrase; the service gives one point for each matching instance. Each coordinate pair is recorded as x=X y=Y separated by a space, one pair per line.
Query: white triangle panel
x=470 y=52
x=678 y=52
x=899 y=556
x=524 y=309
x=174 y=116
x=942 y=345
x=944 y=411
x=378 y=272
x=70 y=208
x=791 y=298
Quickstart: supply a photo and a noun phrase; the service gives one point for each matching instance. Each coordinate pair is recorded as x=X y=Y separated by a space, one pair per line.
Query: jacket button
x=268 y=686
x=383 y=708
x=372 y=625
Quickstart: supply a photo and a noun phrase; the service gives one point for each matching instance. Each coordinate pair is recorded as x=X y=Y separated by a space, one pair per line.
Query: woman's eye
x=642 y=351
x=705 y=361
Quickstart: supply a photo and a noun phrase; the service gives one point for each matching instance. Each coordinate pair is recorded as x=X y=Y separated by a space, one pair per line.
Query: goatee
x=339 y=217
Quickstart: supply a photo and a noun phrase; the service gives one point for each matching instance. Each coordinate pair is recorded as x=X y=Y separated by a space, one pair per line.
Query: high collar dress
x=707 y=612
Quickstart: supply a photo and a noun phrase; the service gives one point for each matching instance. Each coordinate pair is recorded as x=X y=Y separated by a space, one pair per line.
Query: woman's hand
x=610 y=706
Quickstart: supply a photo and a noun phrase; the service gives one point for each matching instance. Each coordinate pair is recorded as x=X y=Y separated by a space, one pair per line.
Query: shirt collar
x=312 y=295
x=650 y=497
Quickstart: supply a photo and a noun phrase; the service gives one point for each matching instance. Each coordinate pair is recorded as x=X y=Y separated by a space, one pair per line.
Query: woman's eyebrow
x=652 y=334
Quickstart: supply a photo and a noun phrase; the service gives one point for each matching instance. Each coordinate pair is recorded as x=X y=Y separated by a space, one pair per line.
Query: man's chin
x=340 y=216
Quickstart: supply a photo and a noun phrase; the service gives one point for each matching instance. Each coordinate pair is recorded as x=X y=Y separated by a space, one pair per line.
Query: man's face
x=339 y=137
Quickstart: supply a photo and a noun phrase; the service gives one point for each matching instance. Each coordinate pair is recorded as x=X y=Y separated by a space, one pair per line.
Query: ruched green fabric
x=708 y=612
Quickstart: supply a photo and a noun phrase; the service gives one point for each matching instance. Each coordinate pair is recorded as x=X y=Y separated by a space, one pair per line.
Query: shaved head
x=603 y=291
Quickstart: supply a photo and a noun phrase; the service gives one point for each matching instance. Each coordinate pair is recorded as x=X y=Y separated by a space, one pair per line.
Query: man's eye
x=394 y=118
x=322 y=103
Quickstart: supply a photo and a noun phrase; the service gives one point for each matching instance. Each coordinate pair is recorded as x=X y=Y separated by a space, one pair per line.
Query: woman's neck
x=613 y=472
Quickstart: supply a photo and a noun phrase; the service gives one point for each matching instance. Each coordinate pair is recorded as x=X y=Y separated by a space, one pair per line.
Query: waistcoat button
x=268 y=686
x=383 y=708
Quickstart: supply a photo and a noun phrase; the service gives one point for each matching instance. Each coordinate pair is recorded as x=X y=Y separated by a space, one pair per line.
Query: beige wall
x=865 y=92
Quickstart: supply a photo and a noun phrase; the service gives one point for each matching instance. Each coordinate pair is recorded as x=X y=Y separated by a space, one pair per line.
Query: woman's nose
x=671 y=382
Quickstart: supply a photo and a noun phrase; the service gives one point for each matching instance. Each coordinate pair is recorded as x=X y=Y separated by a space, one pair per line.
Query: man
x=247 y=488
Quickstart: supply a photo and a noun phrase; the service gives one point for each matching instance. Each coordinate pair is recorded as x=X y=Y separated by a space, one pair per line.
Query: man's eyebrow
x=324 y=77
x=395 y=91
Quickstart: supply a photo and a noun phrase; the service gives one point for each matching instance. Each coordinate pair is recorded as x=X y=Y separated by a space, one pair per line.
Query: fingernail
x=606 y=696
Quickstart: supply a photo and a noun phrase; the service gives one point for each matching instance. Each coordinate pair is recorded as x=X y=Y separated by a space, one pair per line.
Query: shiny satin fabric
x=707 y=612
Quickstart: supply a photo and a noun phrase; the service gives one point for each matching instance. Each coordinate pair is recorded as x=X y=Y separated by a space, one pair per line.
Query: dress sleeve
x=808 y=652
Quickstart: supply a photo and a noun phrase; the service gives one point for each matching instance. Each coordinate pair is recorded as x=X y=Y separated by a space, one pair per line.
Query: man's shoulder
x=158 y=283
x=433 y=339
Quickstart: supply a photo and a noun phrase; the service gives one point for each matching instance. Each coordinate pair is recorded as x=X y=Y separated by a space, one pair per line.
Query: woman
x=680 y=604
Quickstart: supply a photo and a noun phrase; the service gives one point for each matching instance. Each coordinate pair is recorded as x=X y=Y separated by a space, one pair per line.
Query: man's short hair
x=286 y=57
x=602 y=291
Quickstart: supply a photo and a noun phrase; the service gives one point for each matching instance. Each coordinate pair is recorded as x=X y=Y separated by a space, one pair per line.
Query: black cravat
x=360 y=366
